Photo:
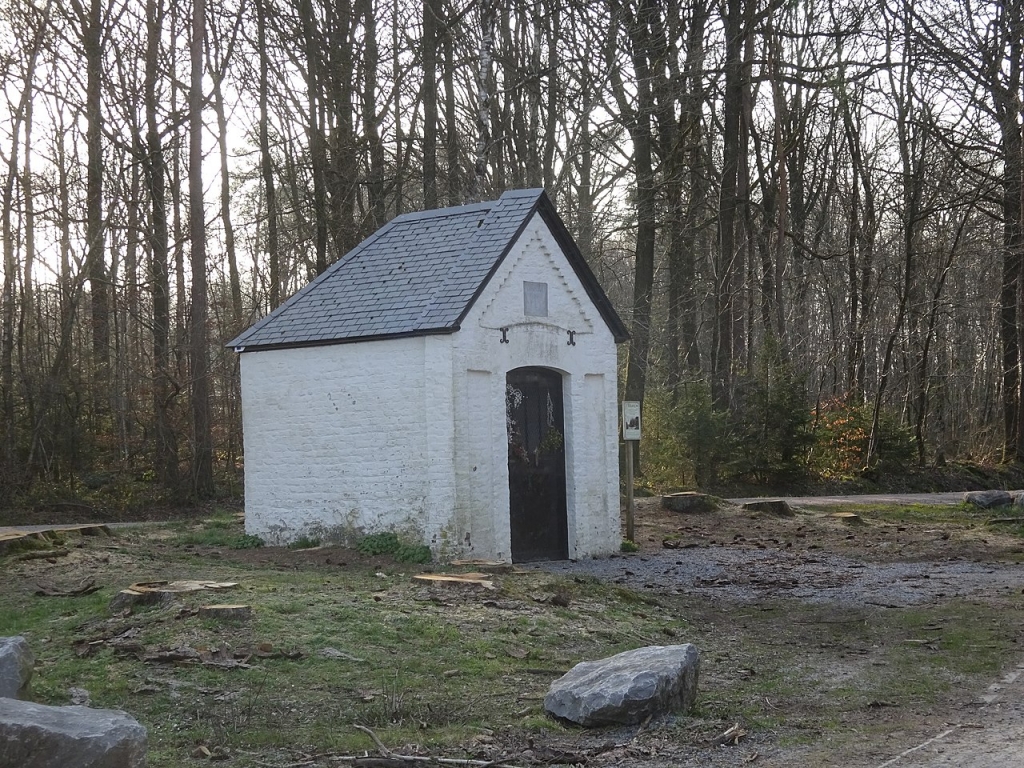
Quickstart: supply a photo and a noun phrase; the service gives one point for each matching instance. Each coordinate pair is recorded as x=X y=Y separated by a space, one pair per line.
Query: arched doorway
x=536 y=464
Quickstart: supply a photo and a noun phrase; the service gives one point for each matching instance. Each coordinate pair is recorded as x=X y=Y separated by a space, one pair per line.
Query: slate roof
x=417 y=275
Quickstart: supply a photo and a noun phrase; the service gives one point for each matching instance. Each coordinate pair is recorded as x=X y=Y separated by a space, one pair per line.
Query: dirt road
x=867 y=498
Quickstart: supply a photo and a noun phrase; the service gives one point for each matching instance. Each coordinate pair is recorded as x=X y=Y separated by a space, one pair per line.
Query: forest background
x=809 y=213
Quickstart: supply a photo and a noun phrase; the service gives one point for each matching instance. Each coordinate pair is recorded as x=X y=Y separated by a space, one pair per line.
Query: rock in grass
x=627 y=688
x=16 y=662
x=38 y=736
x=988 y=499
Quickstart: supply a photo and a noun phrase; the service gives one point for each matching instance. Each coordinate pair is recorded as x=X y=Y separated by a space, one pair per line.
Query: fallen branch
x=730 y=737
x=1005 y=520
x=85 y=587
x=395 y=760
x=44 y=555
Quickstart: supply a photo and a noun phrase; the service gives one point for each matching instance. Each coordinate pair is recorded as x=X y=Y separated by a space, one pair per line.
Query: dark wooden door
x=536 y=464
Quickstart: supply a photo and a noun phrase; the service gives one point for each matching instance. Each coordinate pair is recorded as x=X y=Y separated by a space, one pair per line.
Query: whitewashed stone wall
x=409 y=434
x=588 y=371
x=342 y=440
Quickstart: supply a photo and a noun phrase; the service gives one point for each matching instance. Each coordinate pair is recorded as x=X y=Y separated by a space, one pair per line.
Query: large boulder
x=988 y=499
x=16 y=662
x=38 y=736
x=627 y=688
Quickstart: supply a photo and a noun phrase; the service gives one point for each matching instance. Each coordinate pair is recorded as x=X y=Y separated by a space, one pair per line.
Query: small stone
x=16 y=662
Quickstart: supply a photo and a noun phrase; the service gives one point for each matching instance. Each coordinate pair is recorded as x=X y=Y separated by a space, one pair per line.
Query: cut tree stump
x=127 y=599
x=774 y=507
x=688 y=502
x=226 y=612
x=850 y=518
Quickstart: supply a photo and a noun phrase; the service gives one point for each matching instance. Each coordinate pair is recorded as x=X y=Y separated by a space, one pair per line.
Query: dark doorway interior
x=536 y=464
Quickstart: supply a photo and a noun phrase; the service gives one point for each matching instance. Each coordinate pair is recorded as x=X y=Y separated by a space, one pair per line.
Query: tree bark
x=165 y=453
x=484 y=98
x=429 y=47
x=202 y=455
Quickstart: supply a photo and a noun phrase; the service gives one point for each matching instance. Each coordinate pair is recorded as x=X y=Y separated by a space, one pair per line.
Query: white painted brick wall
x=337 y=439
x=589 y=399
x=409 y=434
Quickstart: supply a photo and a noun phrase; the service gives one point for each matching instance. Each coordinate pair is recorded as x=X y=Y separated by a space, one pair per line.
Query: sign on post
x=630 y=420
x=630 y=433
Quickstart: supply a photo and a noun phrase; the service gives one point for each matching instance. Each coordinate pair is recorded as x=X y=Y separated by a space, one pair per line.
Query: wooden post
x=630 y=434
x=629 y=490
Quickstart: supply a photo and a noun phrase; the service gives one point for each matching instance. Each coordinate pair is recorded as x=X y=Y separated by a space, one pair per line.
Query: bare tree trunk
x=99 y=299
x=638 y=123
x=165 y=454
x=451 y=133
x=729 y=205
x=202 y=458
x=317 y=152
x=266 y=161
x=429 y=47
x=484 y=98
x=234 y=281
x=371 y=130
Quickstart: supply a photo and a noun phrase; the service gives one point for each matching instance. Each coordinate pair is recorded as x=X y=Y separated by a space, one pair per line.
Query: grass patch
x=388 y=543
x=331 y=647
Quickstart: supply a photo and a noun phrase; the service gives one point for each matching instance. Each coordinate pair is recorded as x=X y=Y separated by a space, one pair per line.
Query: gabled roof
x=417 y=275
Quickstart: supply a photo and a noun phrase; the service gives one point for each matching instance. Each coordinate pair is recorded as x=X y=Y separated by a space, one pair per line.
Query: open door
x=536 y=464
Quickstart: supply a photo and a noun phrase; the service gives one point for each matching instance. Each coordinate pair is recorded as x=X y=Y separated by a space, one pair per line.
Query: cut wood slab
x=226 y=612
x=473 y=579
x=488 y=566
x=181 y=586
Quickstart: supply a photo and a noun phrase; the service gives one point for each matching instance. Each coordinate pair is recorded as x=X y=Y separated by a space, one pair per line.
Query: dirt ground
x=724 y=563
x=854 y=571
x=830 y=597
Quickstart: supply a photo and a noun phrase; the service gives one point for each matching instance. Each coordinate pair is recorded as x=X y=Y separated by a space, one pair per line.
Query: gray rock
x=38 y=736
x=627 y=688
x=16 y=662
x=988 y=499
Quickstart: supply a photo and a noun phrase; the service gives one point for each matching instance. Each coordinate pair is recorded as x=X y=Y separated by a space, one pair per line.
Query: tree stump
x=774 y=507
x=688 y=502
x=850 y=518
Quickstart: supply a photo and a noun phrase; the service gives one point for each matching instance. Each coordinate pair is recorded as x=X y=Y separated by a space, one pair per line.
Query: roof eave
x=448 y=330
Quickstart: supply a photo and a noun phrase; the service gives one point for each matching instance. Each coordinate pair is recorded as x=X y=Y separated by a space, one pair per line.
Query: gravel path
x=988 y=733
x=952 y=499
x=993 y=737
x=750 y=575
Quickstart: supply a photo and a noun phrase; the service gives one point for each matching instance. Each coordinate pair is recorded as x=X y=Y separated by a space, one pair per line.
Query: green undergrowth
x=329 y=648
x=388 y=543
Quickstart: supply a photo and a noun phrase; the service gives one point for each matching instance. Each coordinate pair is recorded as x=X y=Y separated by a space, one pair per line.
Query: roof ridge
x=494 y=209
